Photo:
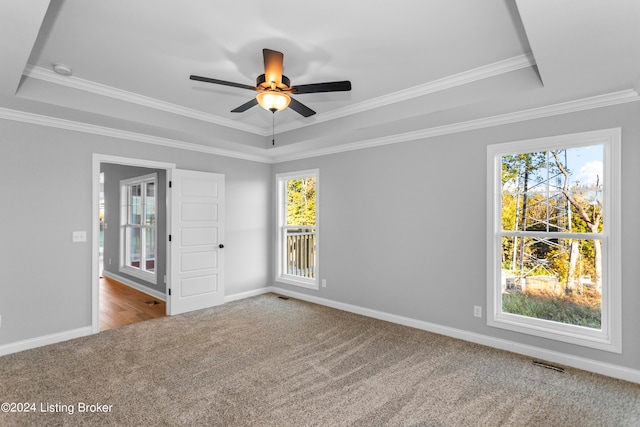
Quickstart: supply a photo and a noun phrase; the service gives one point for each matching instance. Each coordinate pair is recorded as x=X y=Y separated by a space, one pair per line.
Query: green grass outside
x=581 y=310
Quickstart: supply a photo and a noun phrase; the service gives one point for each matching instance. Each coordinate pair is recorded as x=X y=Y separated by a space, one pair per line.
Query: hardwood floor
x=122 y=305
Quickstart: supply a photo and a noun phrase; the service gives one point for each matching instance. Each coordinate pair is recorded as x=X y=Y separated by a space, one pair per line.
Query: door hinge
x=169 y=237
x=169 y=291
x=169 y=184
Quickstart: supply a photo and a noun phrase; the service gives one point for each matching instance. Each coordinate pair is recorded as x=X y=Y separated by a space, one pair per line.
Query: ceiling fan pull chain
x=273 y=128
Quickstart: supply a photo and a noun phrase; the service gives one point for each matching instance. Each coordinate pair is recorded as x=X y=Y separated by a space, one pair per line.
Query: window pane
x=557 y=190
x=135 y=204
x=135 y=213
x=151 y=186
x=150 y=249
x=136 y=190
x=553 y=279
x=134 y=246
x=301 y=201
x=150 y=204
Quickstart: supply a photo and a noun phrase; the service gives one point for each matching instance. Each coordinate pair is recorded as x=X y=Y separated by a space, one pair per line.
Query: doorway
x=132 y=244
x=122 y=297
x=195 y=218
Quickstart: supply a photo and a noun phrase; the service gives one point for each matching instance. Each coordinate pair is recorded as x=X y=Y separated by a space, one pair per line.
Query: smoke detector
x=63 y=70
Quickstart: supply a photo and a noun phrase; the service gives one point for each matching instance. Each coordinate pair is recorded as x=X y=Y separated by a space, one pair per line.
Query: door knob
x=221 y=246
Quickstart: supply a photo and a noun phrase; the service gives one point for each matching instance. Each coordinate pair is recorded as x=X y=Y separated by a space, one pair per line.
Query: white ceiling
x=417 y=68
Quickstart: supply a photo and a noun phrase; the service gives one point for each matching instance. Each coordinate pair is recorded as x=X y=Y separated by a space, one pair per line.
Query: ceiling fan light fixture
x=273 y=101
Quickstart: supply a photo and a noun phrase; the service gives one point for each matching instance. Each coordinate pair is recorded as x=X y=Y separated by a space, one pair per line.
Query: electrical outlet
x=477 y=311
x=79 y=236
x=324 y=283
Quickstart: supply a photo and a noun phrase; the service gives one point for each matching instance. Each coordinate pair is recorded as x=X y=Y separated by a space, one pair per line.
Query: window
x=554 y=238
x=138 y=226
x=297 y=243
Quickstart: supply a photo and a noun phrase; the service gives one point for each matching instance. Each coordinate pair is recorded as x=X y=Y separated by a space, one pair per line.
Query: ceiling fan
x=274 y=88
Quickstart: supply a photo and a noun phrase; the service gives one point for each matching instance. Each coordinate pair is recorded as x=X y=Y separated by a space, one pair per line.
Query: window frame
x=607 y=338
x=281 y=225
x=125 y=185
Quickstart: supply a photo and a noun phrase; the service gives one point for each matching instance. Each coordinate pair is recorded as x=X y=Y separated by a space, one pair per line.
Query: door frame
x=98 y=159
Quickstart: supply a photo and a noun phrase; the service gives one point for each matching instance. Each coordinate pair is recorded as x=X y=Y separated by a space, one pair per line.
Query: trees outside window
x=554 y=230
x=297 y=244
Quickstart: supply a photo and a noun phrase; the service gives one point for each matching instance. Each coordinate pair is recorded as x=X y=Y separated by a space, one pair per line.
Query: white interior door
x=197 y=235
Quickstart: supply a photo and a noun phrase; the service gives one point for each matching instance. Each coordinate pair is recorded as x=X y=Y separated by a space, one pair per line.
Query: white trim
x=55 y=122
x=123 y=250
x=41 y=341
x=98 y=159
x=132 y=284
x=583 y=104
x=487 y=71
x=609 y=337
x=480 y=73
x=50 y=76
x=247 y=294
x=31 y=343
x=271 y=156
x=602 y=368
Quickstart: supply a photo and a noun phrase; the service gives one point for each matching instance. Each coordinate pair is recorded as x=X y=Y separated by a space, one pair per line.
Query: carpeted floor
x=267 y=361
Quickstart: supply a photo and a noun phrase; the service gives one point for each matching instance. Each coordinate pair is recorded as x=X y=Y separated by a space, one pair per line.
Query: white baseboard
x=247 y=294
x=151 y=292
x=44 y=340
x=608 y=369
x=602 y=368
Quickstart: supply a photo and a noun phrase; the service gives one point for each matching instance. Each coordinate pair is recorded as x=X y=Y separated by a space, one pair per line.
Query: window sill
x=298 y=281
x=593 y=338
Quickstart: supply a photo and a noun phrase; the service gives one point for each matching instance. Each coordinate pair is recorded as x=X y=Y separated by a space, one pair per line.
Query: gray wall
x=113 y=174
x=46 y=193
x=425 y=200
x=420 y=249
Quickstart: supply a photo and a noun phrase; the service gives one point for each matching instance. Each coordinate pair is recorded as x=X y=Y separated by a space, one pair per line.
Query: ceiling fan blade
x=221 y=82
x=273 y=61
x=300 y=108
x=342 y=86
x=244 y=107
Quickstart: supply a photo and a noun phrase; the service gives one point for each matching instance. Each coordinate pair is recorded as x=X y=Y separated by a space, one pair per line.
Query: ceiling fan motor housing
x=261 y=81
x=274 y=88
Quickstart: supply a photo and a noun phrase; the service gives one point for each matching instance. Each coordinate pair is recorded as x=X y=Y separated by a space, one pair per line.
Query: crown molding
x=55 y=122
x=598 y=101
x=272 y=156
x=480 y=73
x=487 y=71
x=134 y=98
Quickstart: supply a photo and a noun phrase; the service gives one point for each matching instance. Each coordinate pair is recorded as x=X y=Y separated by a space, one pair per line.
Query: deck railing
x=301 y=251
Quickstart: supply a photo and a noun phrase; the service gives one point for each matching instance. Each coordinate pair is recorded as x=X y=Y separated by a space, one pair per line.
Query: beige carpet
x=267 y=361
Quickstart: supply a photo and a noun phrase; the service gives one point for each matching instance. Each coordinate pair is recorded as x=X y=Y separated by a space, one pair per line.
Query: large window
x=297 y=243
x=138 y=226
x=554 y=242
